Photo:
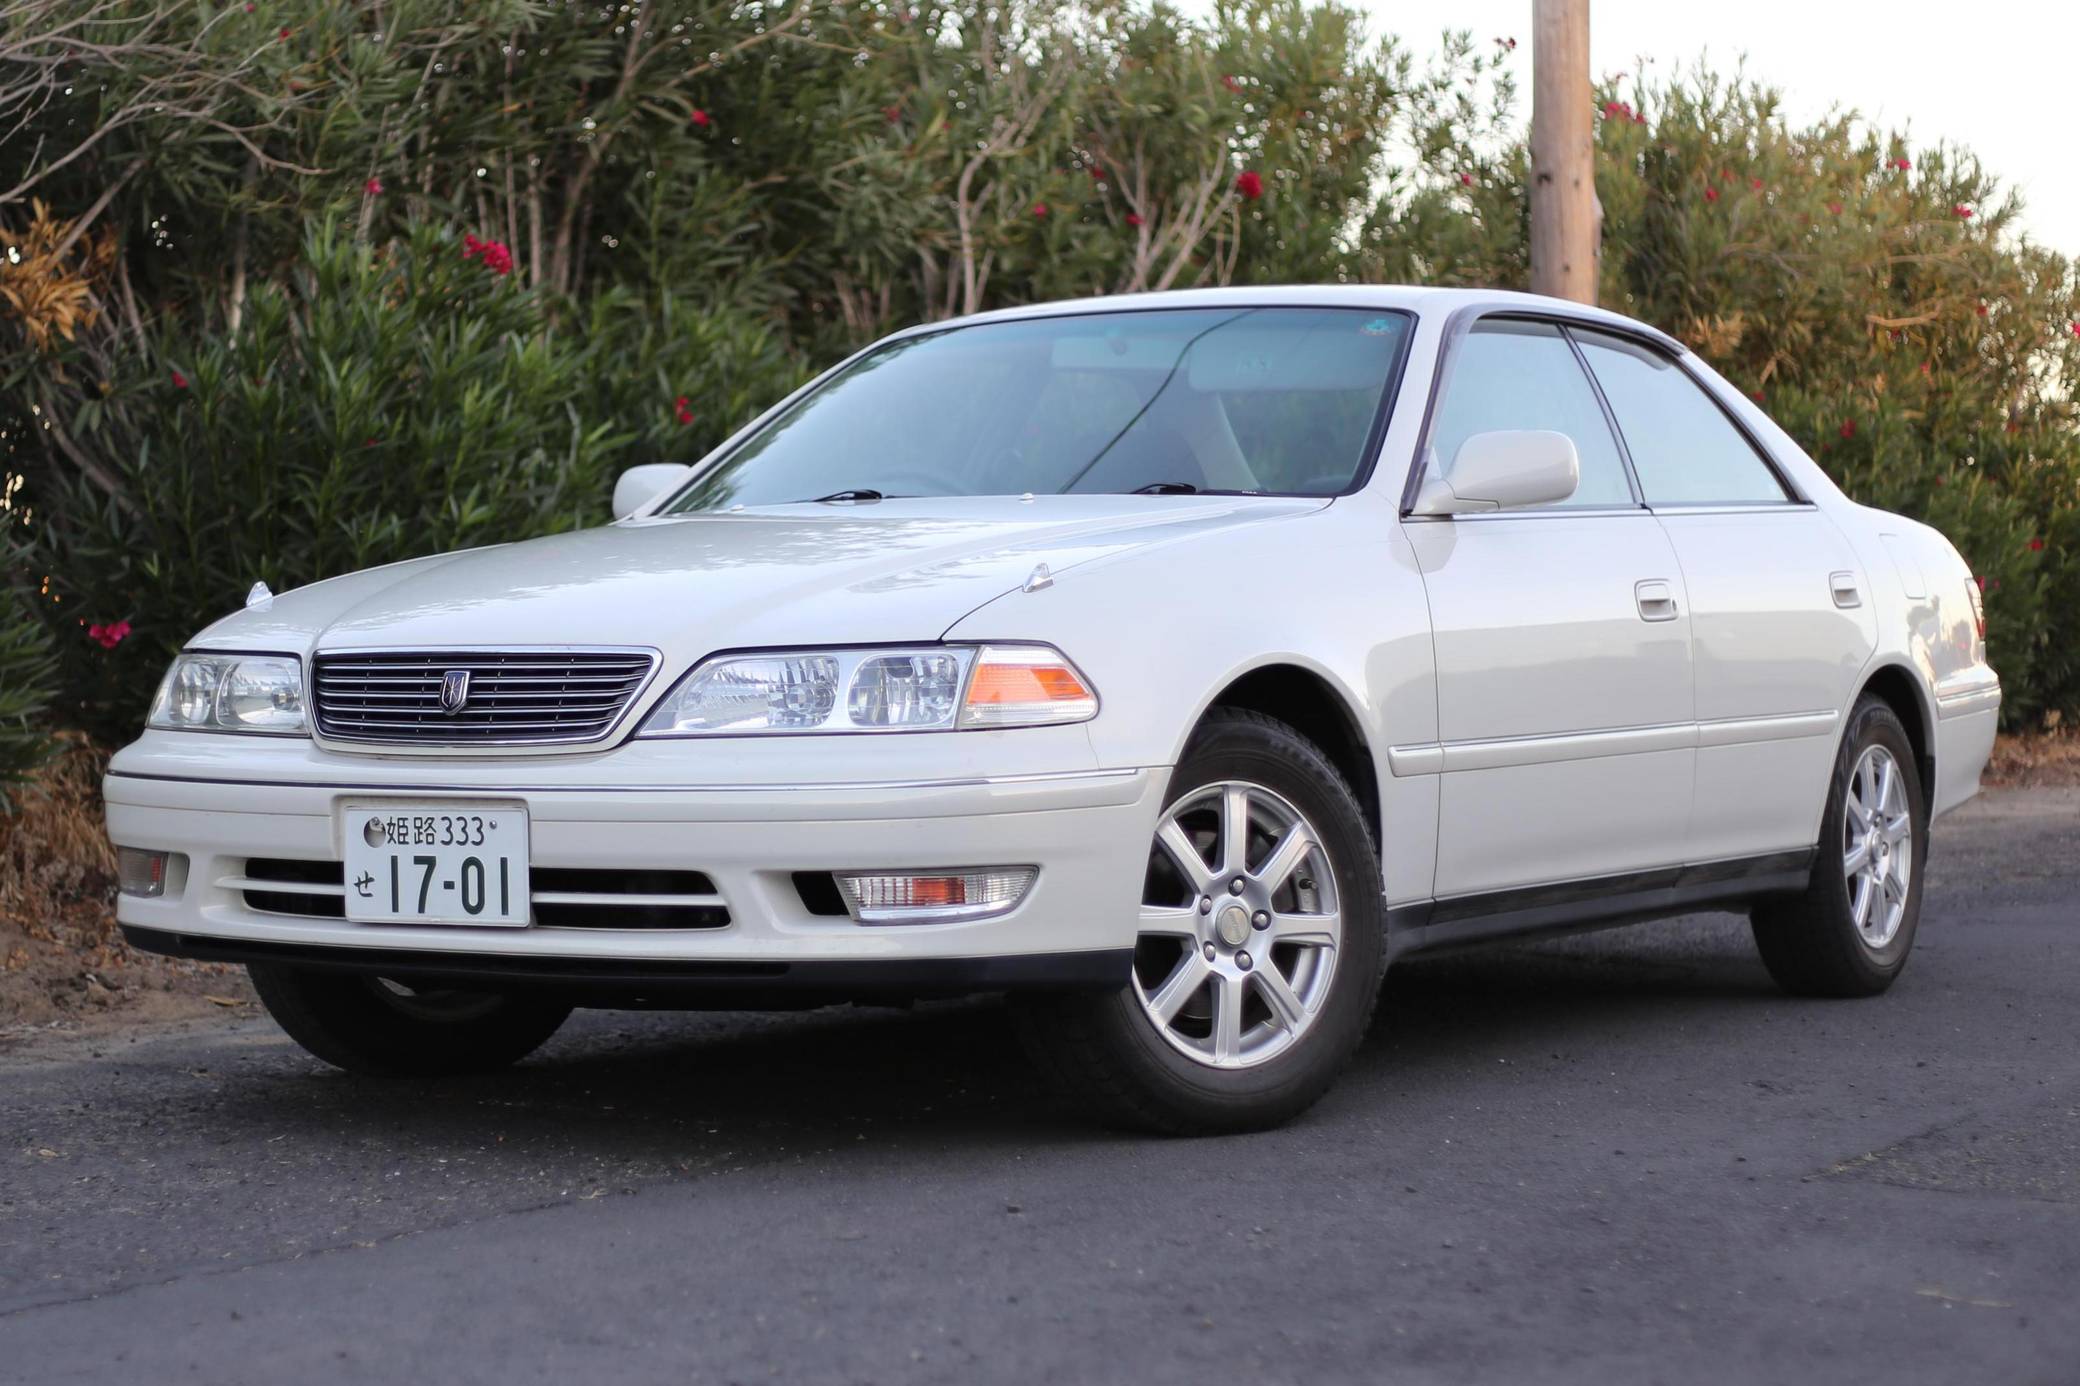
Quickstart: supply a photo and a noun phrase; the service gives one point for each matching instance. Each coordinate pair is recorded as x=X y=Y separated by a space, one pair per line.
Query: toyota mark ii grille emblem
x=454 y=690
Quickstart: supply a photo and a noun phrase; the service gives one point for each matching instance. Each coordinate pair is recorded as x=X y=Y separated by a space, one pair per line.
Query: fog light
x=928 y=897
x=140 y=873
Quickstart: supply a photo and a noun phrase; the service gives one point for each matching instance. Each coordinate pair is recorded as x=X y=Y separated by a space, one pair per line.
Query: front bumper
x=1086 y=830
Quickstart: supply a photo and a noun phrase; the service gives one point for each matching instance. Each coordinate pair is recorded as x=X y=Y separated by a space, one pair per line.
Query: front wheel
x=1260 y=946
x=1850 y=932
x=377 y=1026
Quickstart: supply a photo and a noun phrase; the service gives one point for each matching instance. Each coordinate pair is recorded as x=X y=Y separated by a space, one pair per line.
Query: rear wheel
x=1850 y=932
x=1259 y=953
x=374 y=1025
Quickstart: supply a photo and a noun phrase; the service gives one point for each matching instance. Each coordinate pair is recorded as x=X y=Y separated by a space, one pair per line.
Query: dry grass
x=2036 y=761
x=54 y=853
x=62 y=959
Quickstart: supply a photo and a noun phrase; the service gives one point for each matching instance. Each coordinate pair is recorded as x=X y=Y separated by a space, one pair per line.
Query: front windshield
x=1276 y=401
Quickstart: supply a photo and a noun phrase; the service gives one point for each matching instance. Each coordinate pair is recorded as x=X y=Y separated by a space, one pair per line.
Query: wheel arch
x=1312 y=705
x=1897 y=686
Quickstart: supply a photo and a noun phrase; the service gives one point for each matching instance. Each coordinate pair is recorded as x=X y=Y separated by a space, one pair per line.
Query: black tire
x=365 y=1025
x=1810 y=942
x=1103 y=1050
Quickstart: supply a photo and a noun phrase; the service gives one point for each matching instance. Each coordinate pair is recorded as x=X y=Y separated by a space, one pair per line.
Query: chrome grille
x=516 y=696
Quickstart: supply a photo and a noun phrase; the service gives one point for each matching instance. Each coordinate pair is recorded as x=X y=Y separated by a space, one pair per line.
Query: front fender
x=1335 y=592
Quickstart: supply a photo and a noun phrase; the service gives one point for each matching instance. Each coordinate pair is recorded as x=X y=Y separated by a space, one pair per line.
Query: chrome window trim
x=1783 y=507
x=351 y=745
x=1538 y=512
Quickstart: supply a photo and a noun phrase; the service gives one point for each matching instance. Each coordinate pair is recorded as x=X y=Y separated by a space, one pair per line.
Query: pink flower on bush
x=1964 y=212
x=373 y=187
x=1755 y=183
x=1618 y=108
x=1231 y=84
x=2036 y=546
x=1711 y=193
x=1902 y=164
x=1849 y=428
x=684 y=411
x=1835 y=207
x=702 y=118
x=1040 y=209
x=109 y=636
x=1133 y=218
x=496 y=256
x=180 y=382
x=1250 y=184
x=1466 y=179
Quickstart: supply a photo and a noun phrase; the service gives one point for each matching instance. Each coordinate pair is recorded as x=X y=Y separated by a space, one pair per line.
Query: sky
x=2001 y=77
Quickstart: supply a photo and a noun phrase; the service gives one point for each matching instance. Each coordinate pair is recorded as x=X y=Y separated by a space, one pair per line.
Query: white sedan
x=1172 y=663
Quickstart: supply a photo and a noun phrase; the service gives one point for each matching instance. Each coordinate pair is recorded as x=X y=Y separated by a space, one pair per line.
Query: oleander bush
x=28 y=686
x=299 y=288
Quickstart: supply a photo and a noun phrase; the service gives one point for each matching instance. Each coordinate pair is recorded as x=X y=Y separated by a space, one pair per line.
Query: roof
x=1409 y=298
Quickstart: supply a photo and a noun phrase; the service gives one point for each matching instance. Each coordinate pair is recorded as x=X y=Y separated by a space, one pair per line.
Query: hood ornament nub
x=258 y=595
x=1039 y=580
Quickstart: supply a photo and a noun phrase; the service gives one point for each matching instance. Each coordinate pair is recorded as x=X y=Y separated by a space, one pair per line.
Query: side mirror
x=1500 y=470
x=638 y=486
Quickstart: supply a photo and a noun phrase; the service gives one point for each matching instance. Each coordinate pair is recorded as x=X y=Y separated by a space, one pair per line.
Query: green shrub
x=375 y=405
x=28 y=685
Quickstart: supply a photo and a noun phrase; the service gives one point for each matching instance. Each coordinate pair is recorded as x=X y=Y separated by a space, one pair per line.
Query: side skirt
x=1596 y=903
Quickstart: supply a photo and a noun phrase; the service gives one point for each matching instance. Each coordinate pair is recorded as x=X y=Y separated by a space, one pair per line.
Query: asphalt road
x=1616 y=1158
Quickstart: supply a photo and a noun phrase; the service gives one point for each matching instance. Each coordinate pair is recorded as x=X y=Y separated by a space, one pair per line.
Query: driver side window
x=1508 y=374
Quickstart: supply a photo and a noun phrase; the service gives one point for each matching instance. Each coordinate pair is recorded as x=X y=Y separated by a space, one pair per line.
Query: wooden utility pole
x=1566 y=220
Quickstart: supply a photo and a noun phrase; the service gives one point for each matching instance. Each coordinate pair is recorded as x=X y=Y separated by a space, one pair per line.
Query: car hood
x=896 y=570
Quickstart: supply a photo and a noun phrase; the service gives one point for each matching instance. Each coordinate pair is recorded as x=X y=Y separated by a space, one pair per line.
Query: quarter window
x=1523 y=375
x=1684 y=449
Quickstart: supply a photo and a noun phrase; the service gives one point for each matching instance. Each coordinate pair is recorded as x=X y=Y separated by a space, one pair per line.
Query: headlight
x=929 y=688
x=231 y=692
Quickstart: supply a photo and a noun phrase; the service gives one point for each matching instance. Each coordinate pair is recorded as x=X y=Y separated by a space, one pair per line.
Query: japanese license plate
x=430 y=863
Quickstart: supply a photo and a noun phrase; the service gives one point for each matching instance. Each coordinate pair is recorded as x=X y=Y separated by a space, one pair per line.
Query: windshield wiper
x=1166 y=488
x=861 y=494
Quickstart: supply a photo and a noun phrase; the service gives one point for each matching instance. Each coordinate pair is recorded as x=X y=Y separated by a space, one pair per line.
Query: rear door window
x=1684 y=449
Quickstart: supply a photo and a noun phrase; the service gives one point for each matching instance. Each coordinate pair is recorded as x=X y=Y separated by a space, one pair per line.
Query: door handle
x=1843 y=585
x=1657 y=600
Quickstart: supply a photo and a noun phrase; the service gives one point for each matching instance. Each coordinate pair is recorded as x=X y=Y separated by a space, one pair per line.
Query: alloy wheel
x=1239 y=926
x=1877 y=846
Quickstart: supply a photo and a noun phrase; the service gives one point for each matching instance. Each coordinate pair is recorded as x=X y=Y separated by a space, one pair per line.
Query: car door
x=1780 y=620
x=1562 y=640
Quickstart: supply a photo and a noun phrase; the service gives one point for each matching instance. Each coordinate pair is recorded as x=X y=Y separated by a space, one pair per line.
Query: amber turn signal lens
x=1025 y=686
